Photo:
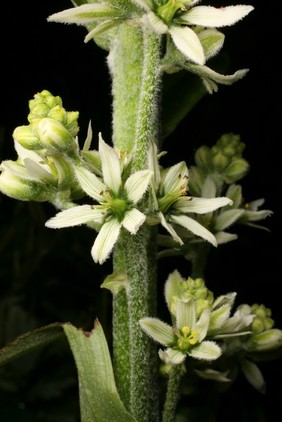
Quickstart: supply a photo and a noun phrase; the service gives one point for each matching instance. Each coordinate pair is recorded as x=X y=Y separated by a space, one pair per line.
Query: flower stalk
x=134 y=126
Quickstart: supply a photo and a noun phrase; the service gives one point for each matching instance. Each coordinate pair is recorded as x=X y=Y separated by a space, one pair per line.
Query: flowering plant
x=141 y=211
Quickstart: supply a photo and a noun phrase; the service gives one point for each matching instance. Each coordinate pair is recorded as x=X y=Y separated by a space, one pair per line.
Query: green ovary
x=118 y=207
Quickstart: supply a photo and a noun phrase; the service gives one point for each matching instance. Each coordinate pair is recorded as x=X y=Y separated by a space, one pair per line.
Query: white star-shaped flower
x=116 y=202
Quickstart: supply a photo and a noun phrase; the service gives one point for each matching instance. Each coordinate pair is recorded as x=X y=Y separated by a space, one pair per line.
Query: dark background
x=48 y=276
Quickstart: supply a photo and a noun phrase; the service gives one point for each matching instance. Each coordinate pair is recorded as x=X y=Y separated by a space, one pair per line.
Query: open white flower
x=186 y=338
x=178 y=18
x=173 y=203
x=116 y=202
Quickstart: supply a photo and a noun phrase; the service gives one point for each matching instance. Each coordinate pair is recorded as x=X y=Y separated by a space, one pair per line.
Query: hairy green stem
x=121 y=344
x=125 y=64
x=173 y=393
x=135 y=69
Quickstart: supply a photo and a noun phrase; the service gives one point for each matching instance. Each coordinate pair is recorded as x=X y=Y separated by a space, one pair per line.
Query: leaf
x=99 y=399
x=30 y=341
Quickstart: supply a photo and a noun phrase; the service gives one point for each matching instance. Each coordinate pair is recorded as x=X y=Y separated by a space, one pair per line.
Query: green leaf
x=30 y=341
x=99 y=399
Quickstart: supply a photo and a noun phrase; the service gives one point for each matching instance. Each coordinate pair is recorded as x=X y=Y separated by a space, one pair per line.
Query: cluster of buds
x=43 y=169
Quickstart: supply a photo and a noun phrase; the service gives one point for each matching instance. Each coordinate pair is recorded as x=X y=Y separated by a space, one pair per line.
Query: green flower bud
x=236 y=170
x=41 y=104
x=220 y=161
x=71 y=122
x=26 y=138
x=22 y=189
x=265 y=341
x=54 y=137
x=203 y=157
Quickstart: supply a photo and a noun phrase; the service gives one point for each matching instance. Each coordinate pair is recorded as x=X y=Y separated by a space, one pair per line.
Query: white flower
x=178 y=19
x=116 y=200
x=186 y=338
x=173 y=203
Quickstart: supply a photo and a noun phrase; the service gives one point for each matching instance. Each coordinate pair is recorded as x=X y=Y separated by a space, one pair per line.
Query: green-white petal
x=194 y=227
x=90 y=183
x=74 y=216
x=105 y=241
x=133 y=220
x=169 y=228
x=85 y=14
x=172 y=356
x=253 y=375
x=212 y=17
x=175 y=179
x=110 y=166
x=227 y=218
x=218 y=317
x=185 y=314
x=137 y=184
x=188 y=43
x=202 y=325
x=201 y=205
x=224 y=237
x=37 y=171
x=158 y=330
x=156 y=23
x=207 y=350
x=172 y=287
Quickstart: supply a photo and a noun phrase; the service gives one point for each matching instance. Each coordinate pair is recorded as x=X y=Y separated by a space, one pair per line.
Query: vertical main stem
x=134 y=62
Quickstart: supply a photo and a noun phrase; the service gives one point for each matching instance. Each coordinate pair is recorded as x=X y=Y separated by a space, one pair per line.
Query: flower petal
x=207 y=350
x=185 y=314
x=74 y=216
x=212 y=17
x=90 y=183
x=188 y=43
x=227 y=218
x=105 y=241
x=133 y=219
x=110 y=166
x=174 y=357
x=201 y=205
x=253 y=375
x=169 y=228
x=158 y=330
x=157 y=24
x=194 y=227
x=202 y=325
x=175 y=178
x=85 y=14
x=137 y=184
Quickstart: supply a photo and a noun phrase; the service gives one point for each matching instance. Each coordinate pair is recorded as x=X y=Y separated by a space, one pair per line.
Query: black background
x=47 y=276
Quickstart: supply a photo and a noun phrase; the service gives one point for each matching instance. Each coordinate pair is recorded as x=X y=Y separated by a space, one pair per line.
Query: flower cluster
x=52 y=167
x=191 y=30
x=199 y=322
x=42 y=171
x=216 y=173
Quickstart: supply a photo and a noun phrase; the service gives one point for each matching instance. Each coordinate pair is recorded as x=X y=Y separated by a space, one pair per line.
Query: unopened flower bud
x=22 y=189
x=236 y=170
x=26 y=138
x=54 y=137
x=203 y=157
x=265 y=341
x=220 y=161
